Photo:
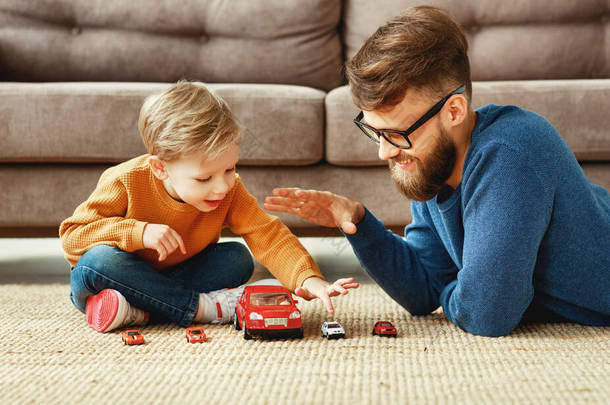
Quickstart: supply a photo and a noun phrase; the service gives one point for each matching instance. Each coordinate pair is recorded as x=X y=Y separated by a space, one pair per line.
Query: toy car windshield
x=132 y=333
x=195 y=332
x=333 y=325
x=385 y=324
x=270 y=299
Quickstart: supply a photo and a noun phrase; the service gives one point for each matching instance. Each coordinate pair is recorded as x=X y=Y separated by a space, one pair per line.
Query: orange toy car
x=195 y=334
x=132 y=337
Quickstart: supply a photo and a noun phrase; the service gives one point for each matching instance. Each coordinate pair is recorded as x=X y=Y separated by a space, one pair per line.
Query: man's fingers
x=287 y=202
x=348 y=227
x=279 y=208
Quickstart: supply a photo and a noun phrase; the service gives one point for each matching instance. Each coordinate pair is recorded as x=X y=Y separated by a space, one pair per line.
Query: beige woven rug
x=49 y=355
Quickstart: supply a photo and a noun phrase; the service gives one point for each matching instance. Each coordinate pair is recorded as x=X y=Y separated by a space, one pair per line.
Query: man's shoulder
x=515 y=129
x=512 y=125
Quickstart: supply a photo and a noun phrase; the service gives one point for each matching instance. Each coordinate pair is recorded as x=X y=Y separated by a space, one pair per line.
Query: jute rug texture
x=49 y=355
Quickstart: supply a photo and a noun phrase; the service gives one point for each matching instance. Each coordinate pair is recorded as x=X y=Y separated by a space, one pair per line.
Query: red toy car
x=384 y=328
x=132 y=337
x=268 y=311
x=195 y=334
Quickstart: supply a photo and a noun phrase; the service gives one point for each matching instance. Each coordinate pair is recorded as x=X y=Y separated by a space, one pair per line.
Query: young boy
x=144 y=246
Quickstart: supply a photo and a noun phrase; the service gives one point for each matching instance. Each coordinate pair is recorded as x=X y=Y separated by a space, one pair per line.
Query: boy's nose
x=386 y=150
x=220 y=186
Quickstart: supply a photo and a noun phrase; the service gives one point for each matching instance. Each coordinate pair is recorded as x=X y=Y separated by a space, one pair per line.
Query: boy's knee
x=102 y=257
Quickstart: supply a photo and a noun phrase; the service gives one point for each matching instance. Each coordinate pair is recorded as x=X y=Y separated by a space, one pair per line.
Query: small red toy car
x=384 y=328
x=268 y=311
x=195 y=334
x=132 y=337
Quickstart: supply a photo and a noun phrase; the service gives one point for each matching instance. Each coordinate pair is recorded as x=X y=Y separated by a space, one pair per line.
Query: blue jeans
x=171 y=294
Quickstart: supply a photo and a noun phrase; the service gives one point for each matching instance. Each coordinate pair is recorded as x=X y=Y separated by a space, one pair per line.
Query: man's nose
x=386 y=150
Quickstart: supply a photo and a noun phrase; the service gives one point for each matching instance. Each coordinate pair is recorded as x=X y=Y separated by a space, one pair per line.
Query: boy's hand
x=320 y=207
x=316 y=287
x=163 y=239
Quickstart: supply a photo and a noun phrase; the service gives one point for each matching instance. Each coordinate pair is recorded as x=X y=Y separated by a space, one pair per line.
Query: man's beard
x=431 y=174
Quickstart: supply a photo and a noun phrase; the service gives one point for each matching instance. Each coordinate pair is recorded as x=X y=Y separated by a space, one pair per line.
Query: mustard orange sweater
x=128 y=196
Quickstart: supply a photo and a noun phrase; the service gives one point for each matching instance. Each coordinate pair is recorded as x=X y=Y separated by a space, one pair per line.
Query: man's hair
x=187 y=118
x=422 y=48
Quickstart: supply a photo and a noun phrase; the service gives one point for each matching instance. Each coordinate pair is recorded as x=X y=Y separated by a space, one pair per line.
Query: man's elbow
x=495 y=325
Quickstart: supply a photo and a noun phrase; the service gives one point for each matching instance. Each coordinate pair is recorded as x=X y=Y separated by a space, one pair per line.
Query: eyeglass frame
x=407 y=132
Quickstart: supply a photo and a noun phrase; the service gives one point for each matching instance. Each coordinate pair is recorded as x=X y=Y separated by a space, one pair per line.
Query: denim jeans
x=171 y=294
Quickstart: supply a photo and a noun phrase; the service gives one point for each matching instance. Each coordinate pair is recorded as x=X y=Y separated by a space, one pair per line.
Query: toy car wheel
x=373 y=332
x=236 y=322
x=299 y=334
x=246 y=334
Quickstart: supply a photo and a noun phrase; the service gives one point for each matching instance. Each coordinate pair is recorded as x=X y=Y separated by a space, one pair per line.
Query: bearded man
x=506 y=227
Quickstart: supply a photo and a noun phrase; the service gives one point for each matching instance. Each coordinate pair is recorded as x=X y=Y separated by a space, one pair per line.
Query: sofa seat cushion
x=97 y=122
x=271 y=41
x=577 y=108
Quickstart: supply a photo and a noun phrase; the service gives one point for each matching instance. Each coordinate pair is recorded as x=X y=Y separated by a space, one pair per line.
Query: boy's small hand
x=163 y=239
x=316 y=287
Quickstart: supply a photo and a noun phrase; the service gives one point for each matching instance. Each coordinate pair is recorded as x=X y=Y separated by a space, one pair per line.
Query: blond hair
x=187 y=118
x=423 y=48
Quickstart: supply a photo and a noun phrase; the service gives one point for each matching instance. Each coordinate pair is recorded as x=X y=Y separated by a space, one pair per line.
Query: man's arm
x=414 y=270
x=506 y=213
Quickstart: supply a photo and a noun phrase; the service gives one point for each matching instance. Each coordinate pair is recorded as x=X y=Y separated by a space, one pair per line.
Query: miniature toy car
x=132 y=337
x=268 y=311
x=332 y=330
x=195 y=334
x=384 y=328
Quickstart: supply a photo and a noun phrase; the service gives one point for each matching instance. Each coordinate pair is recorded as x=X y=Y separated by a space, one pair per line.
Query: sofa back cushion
x=248 y=41
x=509 y=40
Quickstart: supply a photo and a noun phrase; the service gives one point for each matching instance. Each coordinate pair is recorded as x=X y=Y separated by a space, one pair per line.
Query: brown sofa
x=74 y=73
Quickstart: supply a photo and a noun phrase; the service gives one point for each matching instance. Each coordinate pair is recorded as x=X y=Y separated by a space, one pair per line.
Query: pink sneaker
x=109 y=310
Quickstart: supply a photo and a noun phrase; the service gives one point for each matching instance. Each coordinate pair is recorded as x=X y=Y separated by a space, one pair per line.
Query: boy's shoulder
x=129 y=169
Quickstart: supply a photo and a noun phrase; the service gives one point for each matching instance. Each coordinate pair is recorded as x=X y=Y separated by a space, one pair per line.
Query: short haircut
x=423 y=48
x=187 y=118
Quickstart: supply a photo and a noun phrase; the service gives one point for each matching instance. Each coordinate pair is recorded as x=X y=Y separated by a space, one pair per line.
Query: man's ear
x=158 y=167
x=457 y=110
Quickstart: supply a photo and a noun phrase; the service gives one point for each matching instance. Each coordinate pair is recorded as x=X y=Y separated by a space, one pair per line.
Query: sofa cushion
x=271 y=41
x=577 y=108
x=509 y=40
x=97 y=122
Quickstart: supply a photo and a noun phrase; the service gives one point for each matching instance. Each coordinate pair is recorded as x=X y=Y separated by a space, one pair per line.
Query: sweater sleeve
x=412 y=270
x=100 y=221
x=506 y=213
x=270 y=241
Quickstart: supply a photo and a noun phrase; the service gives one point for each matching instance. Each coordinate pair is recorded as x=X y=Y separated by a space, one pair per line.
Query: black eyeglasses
x=400 y=139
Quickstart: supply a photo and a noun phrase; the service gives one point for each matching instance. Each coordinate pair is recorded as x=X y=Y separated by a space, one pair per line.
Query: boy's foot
x=109 y=310
x=219 y=305
x=225 y=301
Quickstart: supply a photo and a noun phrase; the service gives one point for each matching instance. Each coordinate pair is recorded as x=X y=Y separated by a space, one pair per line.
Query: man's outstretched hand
x=315 y=287
x=319 y=207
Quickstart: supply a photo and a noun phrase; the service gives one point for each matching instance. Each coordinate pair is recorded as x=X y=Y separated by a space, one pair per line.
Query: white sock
x=206 y=310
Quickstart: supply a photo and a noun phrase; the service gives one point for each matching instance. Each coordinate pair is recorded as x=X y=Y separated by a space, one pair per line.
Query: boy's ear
x=158 y=167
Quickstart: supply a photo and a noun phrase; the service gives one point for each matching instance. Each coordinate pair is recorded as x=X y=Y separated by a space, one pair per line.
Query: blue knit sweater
x=524 y=236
